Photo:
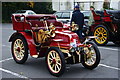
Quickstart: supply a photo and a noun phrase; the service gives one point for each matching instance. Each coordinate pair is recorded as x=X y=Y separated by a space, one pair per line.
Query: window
x=30 y=13
x=58 y=15
x=66 y=15
x=86 y=14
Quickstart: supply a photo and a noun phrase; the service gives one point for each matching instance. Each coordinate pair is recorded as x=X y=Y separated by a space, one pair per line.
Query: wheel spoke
x=92 y=60
x=104 y=37
x=58 y=67
x=15 y=45
x=22 y=46
x=101 y=30
x=102 y=40
x=55 y=67
x=105 y=34
x=58 y=63
x=97 y=32
x=51 y=55
x=54 y=54
x=23 y=51
x=17 y=42
x=88 y=61
x=50 y=59
x=22 y=54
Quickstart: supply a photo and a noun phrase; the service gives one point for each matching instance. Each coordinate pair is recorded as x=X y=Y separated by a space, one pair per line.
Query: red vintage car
x=106 y=26
x=43 y=36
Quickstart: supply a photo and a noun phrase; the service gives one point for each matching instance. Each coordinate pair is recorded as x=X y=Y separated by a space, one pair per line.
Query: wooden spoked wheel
x=55 y=61
x=102 y=35
x=19 y=49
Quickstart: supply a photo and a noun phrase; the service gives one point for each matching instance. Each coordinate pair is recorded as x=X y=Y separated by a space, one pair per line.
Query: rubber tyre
x=107 y=35
x=23 y=60
x=63 y=65
x=97 y=58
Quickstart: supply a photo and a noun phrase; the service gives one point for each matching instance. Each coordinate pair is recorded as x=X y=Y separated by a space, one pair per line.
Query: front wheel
x=92 y=57
x=55 y=61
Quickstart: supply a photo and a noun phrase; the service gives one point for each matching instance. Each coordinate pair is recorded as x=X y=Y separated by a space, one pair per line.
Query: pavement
x=36 y=68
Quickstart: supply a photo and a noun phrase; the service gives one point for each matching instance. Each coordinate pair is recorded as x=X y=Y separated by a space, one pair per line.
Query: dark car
x=106 y=26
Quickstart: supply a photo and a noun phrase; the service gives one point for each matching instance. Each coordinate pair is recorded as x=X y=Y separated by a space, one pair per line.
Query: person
x=91 y=19
x=78 y=18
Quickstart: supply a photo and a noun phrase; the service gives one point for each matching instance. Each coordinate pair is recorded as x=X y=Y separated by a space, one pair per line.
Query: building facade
x=84 y=4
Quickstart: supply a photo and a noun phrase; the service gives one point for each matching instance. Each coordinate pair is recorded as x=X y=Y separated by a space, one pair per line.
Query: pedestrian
x=78 y=18
x=91 y=18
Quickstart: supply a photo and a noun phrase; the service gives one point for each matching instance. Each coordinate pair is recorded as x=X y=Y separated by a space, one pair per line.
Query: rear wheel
x=102 y=34
x=92 y=57
x=55 y=61
x=19 y=50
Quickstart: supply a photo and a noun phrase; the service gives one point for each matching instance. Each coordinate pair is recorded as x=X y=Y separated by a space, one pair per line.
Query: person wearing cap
x=78 y=18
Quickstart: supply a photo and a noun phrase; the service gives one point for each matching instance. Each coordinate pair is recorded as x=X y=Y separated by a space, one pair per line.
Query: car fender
x=29 y=39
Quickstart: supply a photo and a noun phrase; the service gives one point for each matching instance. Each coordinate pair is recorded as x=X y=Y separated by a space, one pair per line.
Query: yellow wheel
x=19 y=50
x=55 y=61
x=102 y=35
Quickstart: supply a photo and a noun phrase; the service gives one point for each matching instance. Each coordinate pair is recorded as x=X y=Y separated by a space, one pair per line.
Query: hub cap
x=18 y=49
x=54 y=61
x=101 y=34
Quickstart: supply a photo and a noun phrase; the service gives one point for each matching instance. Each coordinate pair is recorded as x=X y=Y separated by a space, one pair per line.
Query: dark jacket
x=78 y=18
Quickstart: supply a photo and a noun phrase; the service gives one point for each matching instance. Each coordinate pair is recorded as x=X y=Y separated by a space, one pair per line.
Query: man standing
x=78 y=18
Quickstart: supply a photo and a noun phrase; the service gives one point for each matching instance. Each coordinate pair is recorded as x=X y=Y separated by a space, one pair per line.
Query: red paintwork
x=96 y=16
x=106 y=17
x=67 y=36
x=30 y=22
x=30 y=42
